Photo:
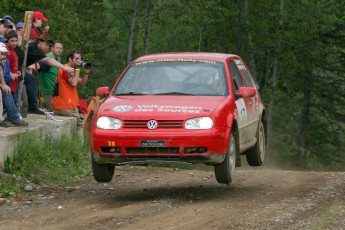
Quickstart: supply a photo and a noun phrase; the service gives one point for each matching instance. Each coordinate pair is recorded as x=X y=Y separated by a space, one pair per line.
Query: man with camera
x=65 y=95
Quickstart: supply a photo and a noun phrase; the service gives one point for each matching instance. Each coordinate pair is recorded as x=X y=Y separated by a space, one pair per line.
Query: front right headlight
x=108 y=123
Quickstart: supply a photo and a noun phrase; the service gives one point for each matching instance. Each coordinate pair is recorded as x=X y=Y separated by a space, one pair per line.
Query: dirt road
x=161 y=198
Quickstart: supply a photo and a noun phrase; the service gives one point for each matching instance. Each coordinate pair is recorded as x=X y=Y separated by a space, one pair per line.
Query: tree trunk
x=132 y=31
x=250 y=41
x=305 y=121
x=148 y=26
x=239 y=45
x=271 y=105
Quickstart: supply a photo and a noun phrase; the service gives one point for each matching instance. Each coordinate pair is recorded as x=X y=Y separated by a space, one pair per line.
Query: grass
x=45 y=162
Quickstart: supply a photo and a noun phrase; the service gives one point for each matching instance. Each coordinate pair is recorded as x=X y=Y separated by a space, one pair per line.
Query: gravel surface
x=161 y=198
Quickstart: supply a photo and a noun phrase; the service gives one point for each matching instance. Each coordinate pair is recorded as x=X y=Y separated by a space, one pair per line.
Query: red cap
x=39 y=15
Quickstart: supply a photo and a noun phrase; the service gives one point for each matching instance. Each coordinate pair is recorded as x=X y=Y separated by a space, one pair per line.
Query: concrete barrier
x=38 y=124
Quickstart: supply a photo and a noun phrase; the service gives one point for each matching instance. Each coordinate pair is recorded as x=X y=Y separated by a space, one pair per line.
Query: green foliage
x=48 y=161
x=8 y=186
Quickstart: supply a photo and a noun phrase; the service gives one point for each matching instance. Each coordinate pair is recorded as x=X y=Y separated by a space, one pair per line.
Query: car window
x=173 y=77
x=245 y=73
x=237 y=81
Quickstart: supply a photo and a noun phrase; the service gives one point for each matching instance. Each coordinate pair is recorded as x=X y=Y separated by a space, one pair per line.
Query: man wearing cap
x=20 y=30
x=10 y=20
x=4 y=26
x=38 y=19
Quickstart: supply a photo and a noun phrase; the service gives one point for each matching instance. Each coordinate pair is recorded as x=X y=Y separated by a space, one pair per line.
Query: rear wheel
x=102 y=172
x=256 y=155
x=225 y=171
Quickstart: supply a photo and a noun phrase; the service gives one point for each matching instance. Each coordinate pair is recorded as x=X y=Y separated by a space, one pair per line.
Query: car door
x=242 y=105
x=252 y=103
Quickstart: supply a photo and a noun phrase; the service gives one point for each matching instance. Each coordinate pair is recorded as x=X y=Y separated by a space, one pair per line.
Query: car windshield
x=173 y=78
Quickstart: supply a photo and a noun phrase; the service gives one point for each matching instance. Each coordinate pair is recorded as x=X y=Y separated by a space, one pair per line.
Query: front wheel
x=256 y=155
x=225 y=171
x=102 y=172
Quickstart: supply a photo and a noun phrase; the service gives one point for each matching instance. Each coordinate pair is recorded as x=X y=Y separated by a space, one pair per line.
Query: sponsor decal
x=168 y=109
x=242 y=111
x=240 y=64
x=122 y=108
x=176 y=60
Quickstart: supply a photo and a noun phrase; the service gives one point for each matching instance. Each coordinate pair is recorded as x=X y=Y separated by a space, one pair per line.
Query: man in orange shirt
x=65 y=95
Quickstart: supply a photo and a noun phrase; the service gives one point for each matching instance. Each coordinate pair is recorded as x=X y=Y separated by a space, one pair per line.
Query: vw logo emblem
x=122 y=108
x=152 y=124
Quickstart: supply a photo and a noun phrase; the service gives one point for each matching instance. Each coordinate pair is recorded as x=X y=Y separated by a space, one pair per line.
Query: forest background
x=295 y=50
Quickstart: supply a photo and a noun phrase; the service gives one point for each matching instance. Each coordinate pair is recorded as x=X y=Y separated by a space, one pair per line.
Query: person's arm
x=74 y=79
x=53 y=62
x=82 y=81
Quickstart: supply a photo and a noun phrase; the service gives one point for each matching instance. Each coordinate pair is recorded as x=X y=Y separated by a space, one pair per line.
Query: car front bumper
x=201 y=146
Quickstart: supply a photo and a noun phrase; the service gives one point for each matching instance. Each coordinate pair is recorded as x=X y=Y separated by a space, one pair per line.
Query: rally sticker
x=168 y=109
x=122 y=108
x=159 y=108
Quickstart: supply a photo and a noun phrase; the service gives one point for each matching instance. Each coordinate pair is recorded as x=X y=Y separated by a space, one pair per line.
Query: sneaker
x=6 y=124
x=19 y=123
x=35 y=111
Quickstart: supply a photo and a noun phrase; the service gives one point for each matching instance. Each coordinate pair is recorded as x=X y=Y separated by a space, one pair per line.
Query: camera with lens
x=85 y=64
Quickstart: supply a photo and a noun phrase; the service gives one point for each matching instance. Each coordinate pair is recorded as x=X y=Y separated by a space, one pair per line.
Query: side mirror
x=102 y=91
x=246 y=92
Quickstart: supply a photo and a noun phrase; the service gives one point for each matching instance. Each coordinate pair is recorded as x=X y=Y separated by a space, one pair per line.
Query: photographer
x=65 y=95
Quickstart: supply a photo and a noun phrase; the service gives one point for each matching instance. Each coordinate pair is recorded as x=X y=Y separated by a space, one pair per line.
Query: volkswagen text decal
x=152 y=124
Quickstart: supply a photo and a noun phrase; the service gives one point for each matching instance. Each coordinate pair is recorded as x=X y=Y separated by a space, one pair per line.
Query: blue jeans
x=10 y=107
x=31 y=90
x=15 y=99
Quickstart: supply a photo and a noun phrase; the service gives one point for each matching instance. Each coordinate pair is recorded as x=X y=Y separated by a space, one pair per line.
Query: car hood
x=159 y=107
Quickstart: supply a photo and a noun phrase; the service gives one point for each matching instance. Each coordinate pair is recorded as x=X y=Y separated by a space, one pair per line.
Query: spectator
x=65 y=96
x=12 y=42
x=4 y=26
x=7 y=99
x=48 y=74
x=4 y=88
x=38 y=19
x=20 y=30
x=10 y=20
x=36 y=52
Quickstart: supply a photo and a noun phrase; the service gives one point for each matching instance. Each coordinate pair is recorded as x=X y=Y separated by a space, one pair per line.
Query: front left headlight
x=108 y=123
x=199 y=123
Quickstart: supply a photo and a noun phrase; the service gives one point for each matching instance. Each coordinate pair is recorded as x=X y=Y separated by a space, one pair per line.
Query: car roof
x=194 y=55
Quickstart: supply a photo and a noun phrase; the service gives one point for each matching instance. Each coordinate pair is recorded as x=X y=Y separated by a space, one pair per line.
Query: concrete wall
x=38 y=124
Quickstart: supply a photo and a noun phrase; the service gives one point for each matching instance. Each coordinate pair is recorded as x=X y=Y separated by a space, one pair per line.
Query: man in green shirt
x=47 y=74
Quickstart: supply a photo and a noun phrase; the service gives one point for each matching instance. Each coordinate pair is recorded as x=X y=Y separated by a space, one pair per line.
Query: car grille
x=162 y=124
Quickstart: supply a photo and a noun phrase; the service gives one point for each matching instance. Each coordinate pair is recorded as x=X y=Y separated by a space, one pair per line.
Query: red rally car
x=180 y=108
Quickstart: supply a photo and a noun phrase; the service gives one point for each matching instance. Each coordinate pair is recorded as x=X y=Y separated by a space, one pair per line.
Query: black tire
x=102 y=172
x=256 y=155
x=225 y=171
